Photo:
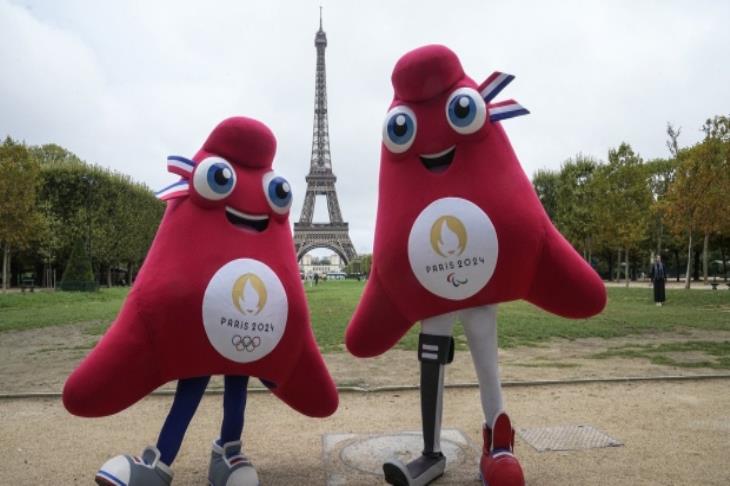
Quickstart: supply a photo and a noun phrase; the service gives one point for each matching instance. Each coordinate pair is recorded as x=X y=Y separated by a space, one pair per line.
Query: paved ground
x=674 y=433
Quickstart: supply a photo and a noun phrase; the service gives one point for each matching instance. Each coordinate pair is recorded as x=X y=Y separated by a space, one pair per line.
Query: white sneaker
x=229 y=467
x=126 y=470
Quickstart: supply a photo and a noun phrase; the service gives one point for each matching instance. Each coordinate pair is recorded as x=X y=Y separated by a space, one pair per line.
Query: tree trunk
x=618 y=265
x=610 y=266
x=724 y=266
x=689 y=263
x=651 y=262
x=109 y=276
x=589 y=246
x=676 y=261
x=627 y=268
x=6 y=266
x=705 y=256
x=696 y=268
x=659 y=239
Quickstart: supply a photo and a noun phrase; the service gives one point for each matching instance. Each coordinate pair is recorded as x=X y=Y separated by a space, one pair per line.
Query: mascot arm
x=564 y=283
x=378 y=324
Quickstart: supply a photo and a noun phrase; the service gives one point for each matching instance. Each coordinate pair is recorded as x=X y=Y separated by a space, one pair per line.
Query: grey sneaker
x=127 y=470
x=229 y=467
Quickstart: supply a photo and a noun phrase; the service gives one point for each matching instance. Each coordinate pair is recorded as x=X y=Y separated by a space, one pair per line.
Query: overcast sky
x=124 y=84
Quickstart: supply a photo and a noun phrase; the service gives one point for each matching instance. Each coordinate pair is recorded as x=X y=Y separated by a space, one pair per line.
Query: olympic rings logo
x=245 y=343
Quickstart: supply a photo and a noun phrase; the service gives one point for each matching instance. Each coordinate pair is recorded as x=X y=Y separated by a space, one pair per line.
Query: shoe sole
x=102 y=481
x=399 y=474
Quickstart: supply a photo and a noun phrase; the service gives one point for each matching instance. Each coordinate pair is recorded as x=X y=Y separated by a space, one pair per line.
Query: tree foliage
x=50 y=200
x=697 y=199
x=20 y=221
x=576 y=201
x=118 y=216
x=546 y=186
x=78 y=275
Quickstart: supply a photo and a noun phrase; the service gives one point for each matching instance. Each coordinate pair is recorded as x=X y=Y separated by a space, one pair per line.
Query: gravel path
x=674 y=434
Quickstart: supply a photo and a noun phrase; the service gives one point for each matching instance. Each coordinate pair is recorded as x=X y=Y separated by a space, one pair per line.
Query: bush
x=79 y=275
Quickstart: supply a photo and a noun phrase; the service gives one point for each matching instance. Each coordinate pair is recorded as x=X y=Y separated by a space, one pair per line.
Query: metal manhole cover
x=352 y=459
x=567 y=438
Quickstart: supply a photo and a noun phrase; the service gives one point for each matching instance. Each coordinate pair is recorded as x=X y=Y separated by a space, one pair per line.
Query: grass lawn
x=629 y=311
x=41 y=309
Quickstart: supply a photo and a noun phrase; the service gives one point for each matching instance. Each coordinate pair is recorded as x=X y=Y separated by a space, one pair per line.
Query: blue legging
x=187 y=398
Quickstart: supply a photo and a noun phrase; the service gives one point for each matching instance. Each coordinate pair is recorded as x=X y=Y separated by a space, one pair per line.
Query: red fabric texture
x=534 y=262
x=159 y=335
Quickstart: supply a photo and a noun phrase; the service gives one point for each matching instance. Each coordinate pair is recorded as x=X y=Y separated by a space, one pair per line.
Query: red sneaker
x=499 y=467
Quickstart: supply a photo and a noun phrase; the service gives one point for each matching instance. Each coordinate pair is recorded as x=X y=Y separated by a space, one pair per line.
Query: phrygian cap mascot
x=219 y=294
x=459 y=229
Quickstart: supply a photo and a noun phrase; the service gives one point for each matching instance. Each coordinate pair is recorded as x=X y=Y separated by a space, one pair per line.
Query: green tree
x=714 y=152
x=661 y=174
x=576 y=203
x=623 y=200
x=545 y=183
x=118 y=216
x=51 y=153
x=79 y=275
x=20 y=220
x=696 y=200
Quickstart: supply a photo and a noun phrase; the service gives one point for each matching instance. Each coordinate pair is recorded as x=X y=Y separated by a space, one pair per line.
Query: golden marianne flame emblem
x=249 y=294
x=448 y=236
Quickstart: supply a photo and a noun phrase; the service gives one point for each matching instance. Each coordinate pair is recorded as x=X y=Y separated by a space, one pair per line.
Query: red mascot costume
x=459 y=229
x=219 y=293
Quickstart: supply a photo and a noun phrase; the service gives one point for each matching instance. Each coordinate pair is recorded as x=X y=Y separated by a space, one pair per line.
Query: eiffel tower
x=320 y=180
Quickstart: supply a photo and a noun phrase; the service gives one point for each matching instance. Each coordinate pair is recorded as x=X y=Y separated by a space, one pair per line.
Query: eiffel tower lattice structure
x=321 y=180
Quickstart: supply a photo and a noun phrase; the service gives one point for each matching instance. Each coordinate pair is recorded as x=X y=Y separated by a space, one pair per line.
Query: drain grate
x=567 y=438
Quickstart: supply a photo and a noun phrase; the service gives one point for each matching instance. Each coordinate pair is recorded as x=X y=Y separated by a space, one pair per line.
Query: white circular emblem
x=245 y=310
x=452 y=248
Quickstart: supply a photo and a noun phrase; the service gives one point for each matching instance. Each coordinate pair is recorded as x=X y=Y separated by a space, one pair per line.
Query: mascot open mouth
x=439 y=162
x=241 y=220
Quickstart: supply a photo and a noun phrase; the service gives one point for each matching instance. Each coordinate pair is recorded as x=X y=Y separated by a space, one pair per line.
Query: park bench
x=27 y=283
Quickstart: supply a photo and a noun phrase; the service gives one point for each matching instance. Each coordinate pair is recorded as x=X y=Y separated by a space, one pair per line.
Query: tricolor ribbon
x=502 y=110
x=184 y=168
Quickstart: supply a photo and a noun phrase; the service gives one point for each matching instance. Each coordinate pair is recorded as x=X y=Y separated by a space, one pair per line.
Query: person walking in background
x=658 y=276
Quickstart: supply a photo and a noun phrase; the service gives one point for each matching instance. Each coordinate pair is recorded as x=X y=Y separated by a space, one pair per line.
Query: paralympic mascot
x=459 y=229
x=219 y=294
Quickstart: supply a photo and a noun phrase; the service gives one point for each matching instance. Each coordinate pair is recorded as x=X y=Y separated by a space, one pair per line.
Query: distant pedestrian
x=316 y=278
x=658 y=276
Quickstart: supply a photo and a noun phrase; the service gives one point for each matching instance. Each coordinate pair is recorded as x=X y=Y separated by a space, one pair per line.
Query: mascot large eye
x=466 y=111
x=399 y=129
x=278 y=192
x=214 y=178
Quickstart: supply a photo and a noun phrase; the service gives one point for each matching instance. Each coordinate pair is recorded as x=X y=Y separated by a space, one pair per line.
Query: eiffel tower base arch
x=335 y=237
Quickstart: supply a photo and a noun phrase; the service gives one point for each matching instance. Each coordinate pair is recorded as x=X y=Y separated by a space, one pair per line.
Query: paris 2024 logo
x=453 y=248
x=245 y=310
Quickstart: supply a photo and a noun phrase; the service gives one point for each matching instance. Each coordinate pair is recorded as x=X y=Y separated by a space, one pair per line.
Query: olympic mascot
x=459 y=229
x=219 y=293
